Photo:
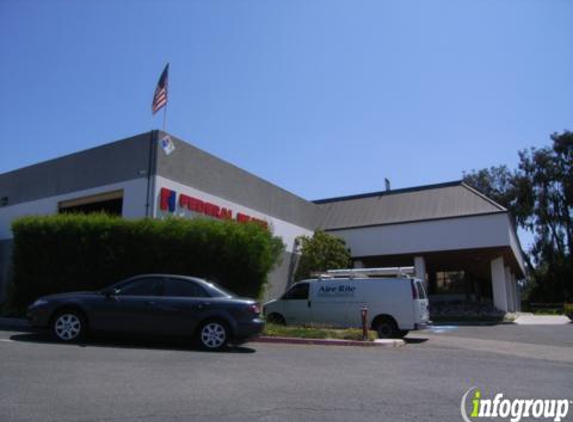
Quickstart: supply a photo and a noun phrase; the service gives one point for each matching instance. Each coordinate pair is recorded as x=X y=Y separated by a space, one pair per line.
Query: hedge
x=87 y=252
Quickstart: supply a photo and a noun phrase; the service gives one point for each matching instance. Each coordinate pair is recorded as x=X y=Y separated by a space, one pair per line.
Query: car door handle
x=150 y=303
x=203 y=305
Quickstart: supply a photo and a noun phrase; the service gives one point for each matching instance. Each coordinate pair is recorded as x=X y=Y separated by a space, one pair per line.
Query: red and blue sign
x=168 y=202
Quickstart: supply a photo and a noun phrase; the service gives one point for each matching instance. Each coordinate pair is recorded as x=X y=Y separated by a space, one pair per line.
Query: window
x=109 y=202
x=421 y=290
x=183 y=288
x=214 y=290
x=450 y=282
x=141 y=287
x=297 y=292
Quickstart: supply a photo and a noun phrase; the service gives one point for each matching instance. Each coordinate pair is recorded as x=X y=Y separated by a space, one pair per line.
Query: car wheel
x=213 y=335
x=69 y=326
x=277 y=319
x=402 y=333
x=386 y=328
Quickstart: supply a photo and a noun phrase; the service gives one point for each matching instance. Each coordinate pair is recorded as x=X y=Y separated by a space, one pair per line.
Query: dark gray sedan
x=154 y=304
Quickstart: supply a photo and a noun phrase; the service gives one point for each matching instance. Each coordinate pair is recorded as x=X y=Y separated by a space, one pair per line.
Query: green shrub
x=321 y=252
x=86 y=252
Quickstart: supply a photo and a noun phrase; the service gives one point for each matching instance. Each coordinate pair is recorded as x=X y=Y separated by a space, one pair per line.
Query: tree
x=539 y=193
x=321 y=252
x=504 y=186
x=547 y=176
x=495 y=182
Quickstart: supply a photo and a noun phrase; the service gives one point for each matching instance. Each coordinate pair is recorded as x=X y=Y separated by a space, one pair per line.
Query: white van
x=395 y=305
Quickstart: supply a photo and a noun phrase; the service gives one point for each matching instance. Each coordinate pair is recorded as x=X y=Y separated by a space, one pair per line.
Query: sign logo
x=337 y=290
x=168 y=201
x=167 y=145
x=511 y=409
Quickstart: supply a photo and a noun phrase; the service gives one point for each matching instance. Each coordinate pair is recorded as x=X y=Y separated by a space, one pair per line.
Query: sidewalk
x=542 y=320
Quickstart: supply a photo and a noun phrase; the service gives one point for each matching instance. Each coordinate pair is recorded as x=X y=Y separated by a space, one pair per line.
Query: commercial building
x=462 y=243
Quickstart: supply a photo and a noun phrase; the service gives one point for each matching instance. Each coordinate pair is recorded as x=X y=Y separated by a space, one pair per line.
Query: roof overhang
x=493 y=233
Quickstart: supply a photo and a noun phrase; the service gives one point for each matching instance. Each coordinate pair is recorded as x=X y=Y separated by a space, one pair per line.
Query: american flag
x=160 y=96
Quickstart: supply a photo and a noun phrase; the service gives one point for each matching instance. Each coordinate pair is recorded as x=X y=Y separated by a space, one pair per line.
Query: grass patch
x=316 y=332
x=547 y=311
x=548 y=308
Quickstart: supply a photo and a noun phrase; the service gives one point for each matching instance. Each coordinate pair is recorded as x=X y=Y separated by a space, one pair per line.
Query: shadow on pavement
x=470 y=323
x=415 y=340
x=130 y=342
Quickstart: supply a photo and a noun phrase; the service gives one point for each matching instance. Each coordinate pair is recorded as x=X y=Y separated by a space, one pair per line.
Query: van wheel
x=386 y=328
x=277 y=319
x=402 y=333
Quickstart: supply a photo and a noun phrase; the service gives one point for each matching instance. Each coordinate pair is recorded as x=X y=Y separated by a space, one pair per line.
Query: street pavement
x=547 y=336
x=111 y=380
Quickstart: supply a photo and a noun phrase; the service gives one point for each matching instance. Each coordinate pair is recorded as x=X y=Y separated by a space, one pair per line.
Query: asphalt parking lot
x=556 y=335
x=113 y=380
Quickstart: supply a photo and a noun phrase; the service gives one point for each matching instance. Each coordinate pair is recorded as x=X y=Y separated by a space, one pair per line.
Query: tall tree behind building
x=539 y=194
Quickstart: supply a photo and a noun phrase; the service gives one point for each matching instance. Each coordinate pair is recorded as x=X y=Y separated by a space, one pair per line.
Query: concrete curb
x=330 y=342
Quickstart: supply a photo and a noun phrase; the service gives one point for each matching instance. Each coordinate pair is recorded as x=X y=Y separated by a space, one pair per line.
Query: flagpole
x=150 y=199
x=164 y=117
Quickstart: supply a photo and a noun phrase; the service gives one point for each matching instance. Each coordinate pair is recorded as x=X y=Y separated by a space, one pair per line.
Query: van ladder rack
x=367 y=272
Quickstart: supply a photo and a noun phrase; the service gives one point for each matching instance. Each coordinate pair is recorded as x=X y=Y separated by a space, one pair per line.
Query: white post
x=498 y=284
x=420 y=269
x=509 y=290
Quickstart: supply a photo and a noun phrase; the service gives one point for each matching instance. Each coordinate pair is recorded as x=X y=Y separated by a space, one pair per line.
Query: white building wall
x=499 y=284
x=428 y=236
x=509 y=290
x=134 y=192
x=420 y=269
x=287 y=231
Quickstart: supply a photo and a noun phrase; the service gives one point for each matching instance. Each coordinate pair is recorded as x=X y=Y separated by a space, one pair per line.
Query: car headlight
x=39 y=302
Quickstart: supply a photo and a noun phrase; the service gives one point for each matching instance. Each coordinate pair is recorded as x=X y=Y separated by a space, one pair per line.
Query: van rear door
x=421 y=303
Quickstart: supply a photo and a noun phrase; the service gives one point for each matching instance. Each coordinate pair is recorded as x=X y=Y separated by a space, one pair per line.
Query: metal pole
x=364 y=316
x=149 y=200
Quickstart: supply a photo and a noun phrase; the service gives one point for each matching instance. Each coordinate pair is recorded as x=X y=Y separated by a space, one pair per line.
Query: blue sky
x=324 y=98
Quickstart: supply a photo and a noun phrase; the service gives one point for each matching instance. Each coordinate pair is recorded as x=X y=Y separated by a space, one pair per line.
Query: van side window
x=297 y=292
x=421 y=290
